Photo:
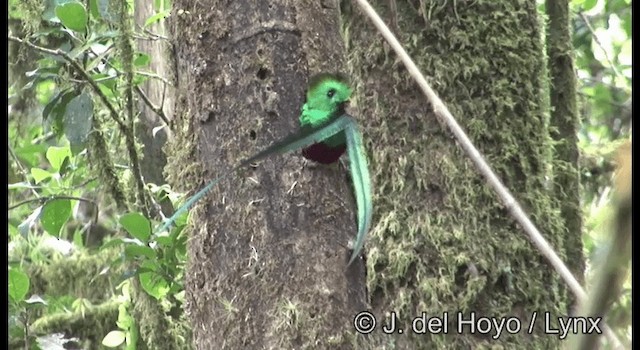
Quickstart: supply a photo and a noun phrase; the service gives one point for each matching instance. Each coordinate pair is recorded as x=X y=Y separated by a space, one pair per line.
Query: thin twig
x=119 y=72
x=147 y=101
x=46 y=137
x=23 y=171
x=626 y=106
x=126 y=52
x=154 y=76
x=150 y=35
x=113 y=112
x=124 y=128
x=164 y=92
x=508 y=200
x=595 y=38
x=155 y=109
x=82 y=184
x=50 y=198
x=74 y=187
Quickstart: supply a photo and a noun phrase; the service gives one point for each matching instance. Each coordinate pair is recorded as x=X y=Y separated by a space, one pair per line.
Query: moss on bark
x=442 y=242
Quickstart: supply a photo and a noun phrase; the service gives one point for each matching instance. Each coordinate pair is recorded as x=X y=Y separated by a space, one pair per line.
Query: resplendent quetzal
x=326 y=132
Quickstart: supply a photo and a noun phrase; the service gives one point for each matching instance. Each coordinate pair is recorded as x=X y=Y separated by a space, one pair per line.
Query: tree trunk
x=268 y=248
x=565 y=123
x=442 y=243
x=158 y=93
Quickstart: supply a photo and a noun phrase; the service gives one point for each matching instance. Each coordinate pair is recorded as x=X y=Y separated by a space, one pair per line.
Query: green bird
x=326 y=99
x=326 y=132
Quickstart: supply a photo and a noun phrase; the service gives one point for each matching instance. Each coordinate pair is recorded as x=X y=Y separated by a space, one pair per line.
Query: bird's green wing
x=361 y=183
x=301 y=139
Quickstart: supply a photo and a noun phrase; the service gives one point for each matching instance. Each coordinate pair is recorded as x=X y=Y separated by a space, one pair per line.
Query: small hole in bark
x=272 y=115
x=260 y=52
x=262 y=73
x=461 y=275
x=252 y=135
x=313 y=312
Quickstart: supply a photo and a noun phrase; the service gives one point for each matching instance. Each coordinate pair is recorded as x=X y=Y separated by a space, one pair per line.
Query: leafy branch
x=124 y=128
x=597 y=41
x=112 y=110
x=23 y=171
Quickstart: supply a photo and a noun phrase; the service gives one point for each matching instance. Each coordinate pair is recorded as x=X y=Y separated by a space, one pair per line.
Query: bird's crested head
x=328 y=92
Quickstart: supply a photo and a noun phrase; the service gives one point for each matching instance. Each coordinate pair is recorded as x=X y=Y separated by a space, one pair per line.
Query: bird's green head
x=328 y=92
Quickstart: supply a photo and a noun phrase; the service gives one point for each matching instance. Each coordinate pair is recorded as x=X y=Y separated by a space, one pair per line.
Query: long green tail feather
x=361 y=184
x=302 y=139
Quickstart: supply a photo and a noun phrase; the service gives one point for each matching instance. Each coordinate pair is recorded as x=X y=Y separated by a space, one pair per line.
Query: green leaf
x=113 y=339
x=58 y=111
x=57 y=155
x=626 y=23
x=78 y=121
x=139 y=79
x=132 y=251
x=93 y=8
x=18 y=285
x=16 y=329
x=165 y=240
x=39 y=174
x=137 y=225
x=26 y=225
x=78 y=51
x=112 y=243
x=78 y=239
x=45 y=90
x=73 y=15
x=589 y=4
x=153 y=283
x=141 y=59
x=13 y=231
x=54 y=215
x=108 y=91
x=125 y=320
x=31 y=153
x=52 y=103
x=49 y=13
x=105 y=80
x=156 y=18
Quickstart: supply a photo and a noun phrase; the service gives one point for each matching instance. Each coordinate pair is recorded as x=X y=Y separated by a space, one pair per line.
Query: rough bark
x=564 y=122
x=160 y=94
x=442 y=242
x=267 y=249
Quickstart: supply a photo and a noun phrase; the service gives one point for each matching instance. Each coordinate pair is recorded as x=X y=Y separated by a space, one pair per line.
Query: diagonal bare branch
x=508 y=200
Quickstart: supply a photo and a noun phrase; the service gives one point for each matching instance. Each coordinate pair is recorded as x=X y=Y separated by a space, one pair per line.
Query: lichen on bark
x=442 y=241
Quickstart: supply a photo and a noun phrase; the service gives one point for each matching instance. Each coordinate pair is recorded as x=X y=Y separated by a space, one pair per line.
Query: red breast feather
x=323 y=154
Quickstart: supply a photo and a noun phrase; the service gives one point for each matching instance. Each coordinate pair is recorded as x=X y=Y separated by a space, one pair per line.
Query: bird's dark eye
x=331 y=92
